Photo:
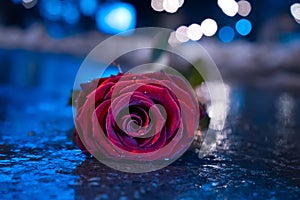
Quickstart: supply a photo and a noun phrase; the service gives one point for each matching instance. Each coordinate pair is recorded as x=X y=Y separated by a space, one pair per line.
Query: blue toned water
x=257 y=155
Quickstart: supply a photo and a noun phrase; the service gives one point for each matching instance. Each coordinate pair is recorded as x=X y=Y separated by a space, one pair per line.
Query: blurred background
x=255 y=44
x=248 y=40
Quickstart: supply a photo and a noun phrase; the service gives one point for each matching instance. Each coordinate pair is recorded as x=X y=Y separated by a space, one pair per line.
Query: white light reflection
x=244 y=8
x=205 y=145
x=214 y=135
x=209 y=27
x=229 y=7
x=29 y=3
x=157 y=5
x=219 y=110
x=295 y=11
x=285 y=109
x=194 y=32
x=181 y=34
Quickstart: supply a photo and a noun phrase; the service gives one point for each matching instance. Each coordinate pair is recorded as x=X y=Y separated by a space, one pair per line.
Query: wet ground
x=257 y=155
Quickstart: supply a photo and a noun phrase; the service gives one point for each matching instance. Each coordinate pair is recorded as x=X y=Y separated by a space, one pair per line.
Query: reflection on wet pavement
x=257 y=156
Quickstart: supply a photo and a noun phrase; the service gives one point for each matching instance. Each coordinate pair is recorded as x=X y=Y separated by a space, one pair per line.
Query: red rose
x=125 y=116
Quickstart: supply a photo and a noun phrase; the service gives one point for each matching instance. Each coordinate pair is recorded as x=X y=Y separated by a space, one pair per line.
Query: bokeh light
x=157 y=5
x=295 y=11
x=70 y=13
x=209 y=27
x=244 y=8
x=51 y=9
x=113 y=18
x=17 y=1
x=194 y=32
x=88 y=7
x=226 y=34
x=29 y=3
x=181 y=34
x=173 y=41
x=181 y=2
x=55 y=10
x=243 y=27
x=229 y=7
x=171 y=6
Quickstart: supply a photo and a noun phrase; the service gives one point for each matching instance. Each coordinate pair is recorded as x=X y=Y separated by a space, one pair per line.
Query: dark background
x=256 y=156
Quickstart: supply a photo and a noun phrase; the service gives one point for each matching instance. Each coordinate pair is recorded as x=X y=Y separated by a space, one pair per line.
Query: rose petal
x=96 y=112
